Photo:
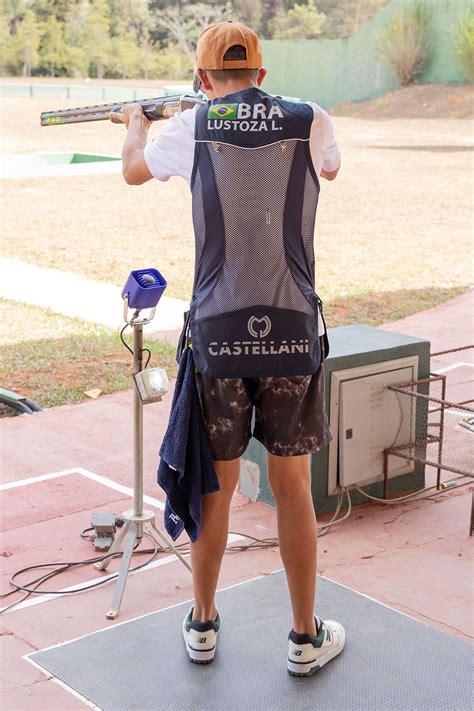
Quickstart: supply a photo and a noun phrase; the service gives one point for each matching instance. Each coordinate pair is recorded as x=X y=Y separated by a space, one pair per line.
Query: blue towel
x=186 y=470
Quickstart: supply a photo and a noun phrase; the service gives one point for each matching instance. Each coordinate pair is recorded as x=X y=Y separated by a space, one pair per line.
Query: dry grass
x=99 y=227
x=53 y=359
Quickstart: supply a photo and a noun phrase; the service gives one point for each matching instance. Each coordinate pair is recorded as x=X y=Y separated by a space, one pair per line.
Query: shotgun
x=162 y=107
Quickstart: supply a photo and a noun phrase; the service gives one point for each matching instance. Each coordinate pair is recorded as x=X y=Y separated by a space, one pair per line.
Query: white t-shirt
x=171 y=152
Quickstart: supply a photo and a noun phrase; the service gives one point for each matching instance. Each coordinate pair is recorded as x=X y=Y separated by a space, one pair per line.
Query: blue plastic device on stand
x=144 y=288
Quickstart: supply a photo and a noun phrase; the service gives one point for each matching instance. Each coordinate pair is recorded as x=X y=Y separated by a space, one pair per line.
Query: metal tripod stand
x=135 y=518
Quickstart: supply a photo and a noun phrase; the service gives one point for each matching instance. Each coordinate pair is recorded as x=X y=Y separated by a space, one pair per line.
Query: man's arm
x=332 y=160
x=134 y=169
x=329 y=174
x=323 y=146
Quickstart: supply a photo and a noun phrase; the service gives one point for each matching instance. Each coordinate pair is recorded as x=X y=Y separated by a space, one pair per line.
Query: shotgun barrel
x=162 y=107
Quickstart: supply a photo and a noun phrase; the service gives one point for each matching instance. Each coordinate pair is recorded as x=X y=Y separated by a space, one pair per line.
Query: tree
x=58 y=8
x=15 y=10
x=98 y=44
x=301 y=22
x=134 y=15
x=249 y=12
x=345 y=17
x=125 y=55
x=147 y=58
x=52 y=45
x=29 y=38
x=130 y=28
x=158 y=34
x=75 y=39
x=272 y=10
x=184 y=22
x=9 y=60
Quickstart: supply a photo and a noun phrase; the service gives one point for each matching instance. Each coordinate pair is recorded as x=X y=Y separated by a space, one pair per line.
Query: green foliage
x=58 y=8
x=14 y=10
x=464 y=41
x=249 y=12
x=172 y=62
x=28 y=42
x=301 y=22
x=99 y=43
x=124 y=55
x=271 y=10
x=8 y=54
x=404 y=41
x=52 y=50
x=75 y=38
x=183 y=23
x=151 y=38
x=345 y=17
x=107 y=38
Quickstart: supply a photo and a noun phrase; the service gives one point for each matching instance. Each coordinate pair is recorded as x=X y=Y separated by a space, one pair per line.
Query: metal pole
x=138 y=423
x=385 y=474
x=135 y=518
x=441 y=432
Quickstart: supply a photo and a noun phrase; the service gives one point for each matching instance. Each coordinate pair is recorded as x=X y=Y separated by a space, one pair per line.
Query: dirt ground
x=417 y=101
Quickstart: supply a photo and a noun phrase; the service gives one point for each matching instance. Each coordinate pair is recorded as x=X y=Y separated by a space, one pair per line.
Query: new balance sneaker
x=200 y=638
x=307 y=653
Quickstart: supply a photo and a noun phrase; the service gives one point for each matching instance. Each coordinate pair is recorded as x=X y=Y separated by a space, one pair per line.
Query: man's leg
x=290 y=481
x=209 y=549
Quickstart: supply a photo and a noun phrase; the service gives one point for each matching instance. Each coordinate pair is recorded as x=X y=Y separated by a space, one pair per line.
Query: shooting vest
x=254 y=311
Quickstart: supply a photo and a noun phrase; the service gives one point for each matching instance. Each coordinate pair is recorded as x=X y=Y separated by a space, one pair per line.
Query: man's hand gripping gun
x=162 y=107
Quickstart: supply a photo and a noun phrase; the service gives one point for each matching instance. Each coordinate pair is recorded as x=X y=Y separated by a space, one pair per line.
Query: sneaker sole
x=296 y=669
x=197 y=656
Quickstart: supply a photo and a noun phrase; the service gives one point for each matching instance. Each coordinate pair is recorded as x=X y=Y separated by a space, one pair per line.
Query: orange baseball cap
x=215 y=40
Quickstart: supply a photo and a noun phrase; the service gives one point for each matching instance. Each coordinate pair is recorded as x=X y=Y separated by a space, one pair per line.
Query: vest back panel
x=255 y=194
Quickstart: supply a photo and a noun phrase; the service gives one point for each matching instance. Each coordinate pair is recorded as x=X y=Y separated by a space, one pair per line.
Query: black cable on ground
x=66 y=566
x=257 y=543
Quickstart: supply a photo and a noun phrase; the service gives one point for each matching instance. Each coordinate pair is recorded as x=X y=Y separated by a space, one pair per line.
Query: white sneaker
x=307 y=653
x=200 y=638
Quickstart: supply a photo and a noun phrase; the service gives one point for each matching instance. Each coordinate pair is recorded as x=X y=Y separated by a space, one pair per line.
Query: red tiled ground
x=415 y=557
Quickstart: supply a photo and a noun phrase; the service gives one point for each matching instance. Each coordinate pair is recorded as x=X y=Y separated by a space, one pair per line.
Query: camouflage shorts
x=290 y=417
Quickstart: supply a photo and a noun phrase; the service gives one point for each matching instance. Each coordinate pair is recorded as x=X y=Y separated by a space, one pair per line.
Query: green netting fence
x=333 y=71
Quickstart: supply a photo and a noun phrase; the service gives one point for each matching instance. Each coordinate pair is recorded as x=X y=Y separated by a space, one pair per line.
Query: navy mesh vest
x=254 y=311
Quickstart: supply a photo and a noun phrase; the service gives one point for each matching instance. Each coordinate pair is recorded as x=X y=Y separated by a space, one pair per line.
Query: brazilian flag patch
x=222 y=111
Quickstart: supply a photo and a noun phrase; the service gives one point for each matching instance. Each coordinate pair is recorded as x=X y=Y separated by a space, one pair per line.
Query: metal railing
x=451 y=438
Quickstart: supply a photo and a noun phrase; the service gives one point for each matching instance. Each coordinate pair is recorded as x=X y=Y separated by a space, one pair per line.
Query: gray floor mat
x=390 y=662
